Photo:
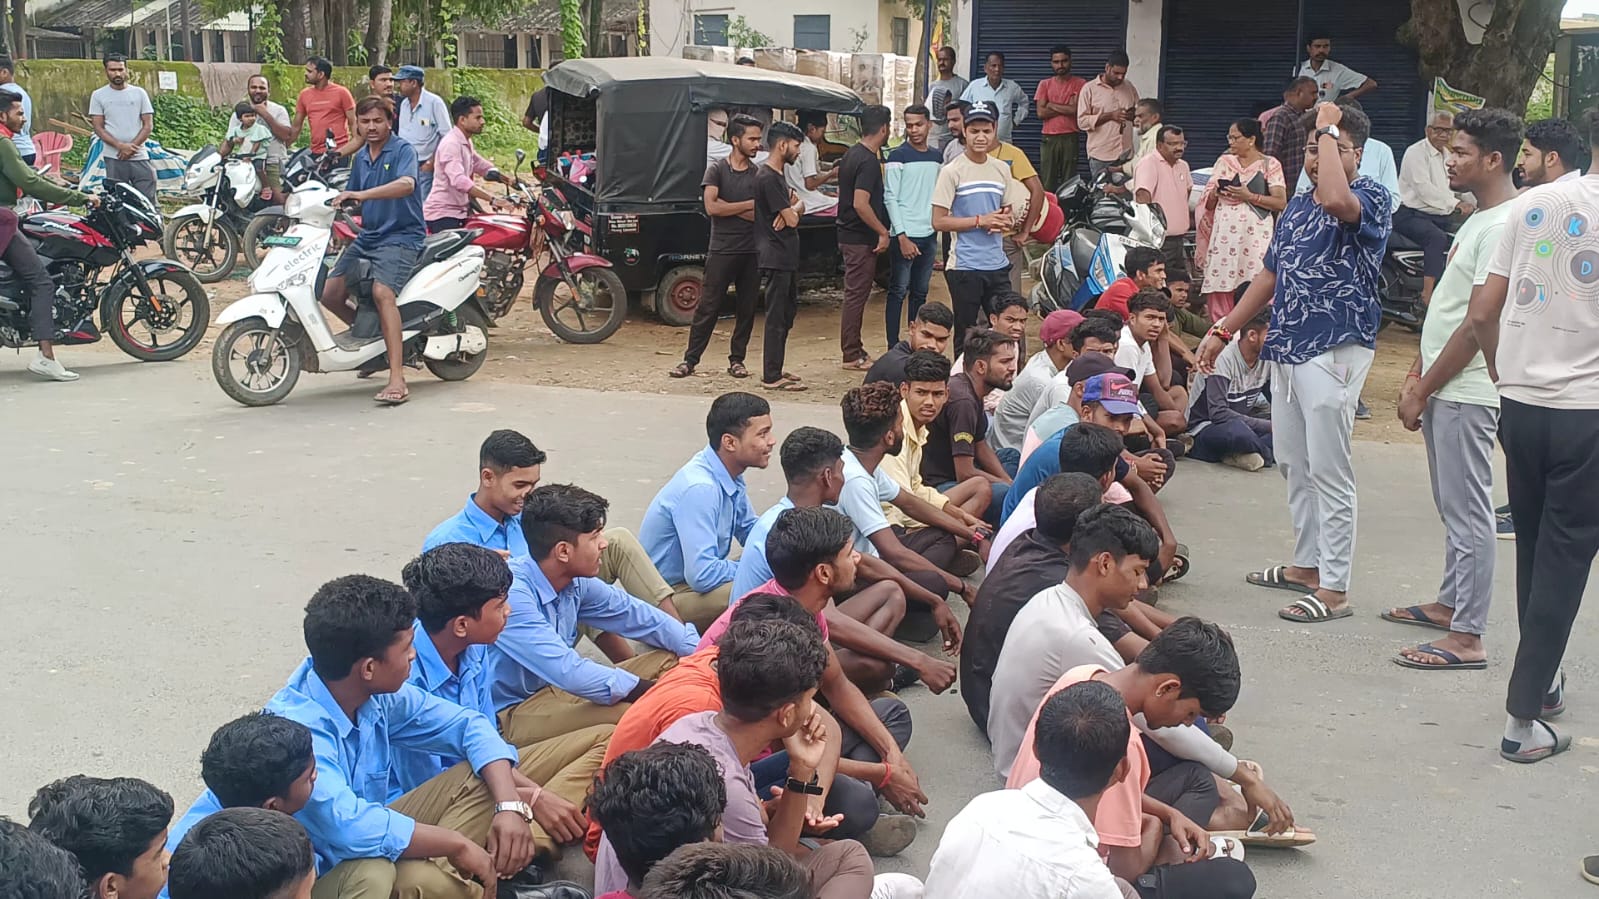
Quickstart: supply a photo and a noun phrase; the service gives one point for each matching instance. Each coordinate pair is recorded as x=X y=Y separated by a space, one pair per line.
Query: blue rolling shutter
x=1362 y=33
x=1209 y=79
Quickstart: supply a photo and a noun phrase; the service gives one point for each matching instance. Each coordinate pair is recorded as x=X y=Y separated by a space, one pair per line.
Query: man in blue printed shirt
x=460 y=592
x=370 y=836
x=539 y=683
x=1321 y=281
x=690 y=526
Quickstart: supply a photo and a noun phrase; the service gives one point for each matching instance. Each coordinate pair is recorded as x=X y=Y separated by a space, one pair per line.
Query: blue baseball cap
x=1115 y=392
x=410 y=73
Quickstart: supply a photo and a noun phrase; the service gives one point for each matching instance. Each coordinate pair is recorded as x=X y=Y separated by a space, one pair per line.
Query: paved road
x=161 y=542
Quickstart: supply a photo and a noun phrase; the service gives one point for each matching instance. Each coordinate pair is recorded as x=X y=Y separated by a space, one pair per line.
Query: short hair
x=731 y=414
x=372 y=102
x=737 y=125
x=811 y=118
x=35 y=867
x=1178 y=273
x=560 y=513
x=255 y=76
x=766 y=664
x=322 y=64
x=454 y=579
x=379 y=69
x=875 y=118
x=1089 y=449
x=1354 y=124
x=1080 y=737
x=1153 y=105
x=105 y=822
x=1008 y=299
x=1261 y=321
x=1118 y=58
x=936 y=313
x=1298 y=82
x=1060 y=48
x=1109 y=528
x=506 y=449
x=958 y=105
x=801 y=539
x=807 y=452
x=241 y=853
x=1139 y=259
x=1250 y=128
x=6 y=65
x=114 y=57
x=243 y=108
x=1557 y=136
x=727 y=871
x=1151 y=299
x=918 y=109
x=926 y=366
x=652 y=800
x=354 y=617
x=783 y=131
x=1202 y=655
x=255 y=757
x=981 y=344
x=8 y=99
x=1096 y=326
x=1061 y=498
x=1313 y=35
x=1168 y=130
x=992 y=54
x=462 y=106
x=870 y=411
x=771 y=607
x=1493 y=131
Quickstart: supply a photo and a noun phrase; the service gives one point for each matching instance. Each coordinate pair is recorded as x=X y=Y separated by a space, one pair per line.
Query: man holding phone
x=1105 y=110
x=969 y=202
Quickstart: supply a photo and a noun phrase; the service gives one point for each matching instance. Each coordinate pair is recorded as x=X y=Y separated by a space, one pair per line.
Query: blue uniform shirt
x=690 y=525
x=1042 y=465
x=207 y=805
x=348 y=815
x=467 y=686
x=536 y=648
x=752 y=568
x=388 y=222
x=477 y=527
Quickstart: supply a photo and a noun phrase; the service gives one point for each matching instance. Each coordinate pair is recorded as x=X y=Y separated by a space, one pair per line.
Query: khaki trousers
x=625 y=564
x=702 y=609
x=551 y=713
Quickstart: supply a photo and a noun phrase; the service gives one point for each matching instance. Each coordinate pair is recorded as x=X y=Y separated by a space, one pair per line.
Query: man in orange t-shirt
x=327 y=106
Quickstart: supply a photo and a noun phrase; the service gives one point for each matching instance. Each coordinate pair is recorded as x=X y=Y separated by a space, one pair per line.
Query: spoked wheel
x=210 y=251
x=264 y=225
x=589 y=314
x=163 y=326
x=254 y=363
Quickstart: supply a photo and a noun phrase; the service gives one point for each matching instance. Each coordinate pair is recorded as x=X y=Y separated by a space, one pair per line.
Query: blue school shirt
x=1043 y=464
x=204 y=807
x=752 y=568
x=467 y=686
x=689 y=527
x=477 y=527
x=348 y=815
x=388 y=222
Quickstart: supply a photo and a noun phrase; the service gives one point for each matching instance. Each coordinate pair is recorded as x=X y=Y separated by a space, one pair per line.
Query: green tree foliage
x=740 y=34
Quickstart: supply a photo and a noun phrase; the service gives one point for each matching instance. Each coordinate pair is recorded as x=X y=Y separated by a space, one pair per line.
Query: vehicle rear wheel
x=209 y=252
x=262 y=226
x=164 y=326
x=254 y=363
x=594 y=313
x=460 y=366
x=678 y=295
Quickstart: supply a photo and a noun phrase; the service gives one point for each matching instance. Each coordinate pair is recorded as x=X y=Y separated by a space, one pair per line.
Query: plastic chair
x=50 y=146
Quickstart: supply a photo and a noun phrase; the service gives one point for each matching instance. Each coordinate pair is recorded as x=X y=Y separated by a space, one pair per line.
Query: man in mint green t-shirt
x=1451 y=398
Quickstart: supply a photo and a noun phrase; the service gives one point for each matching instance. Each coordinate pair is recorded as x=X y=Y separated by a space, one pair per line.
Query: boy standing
x=909 y=177
x=863 y=231
x=777 y=214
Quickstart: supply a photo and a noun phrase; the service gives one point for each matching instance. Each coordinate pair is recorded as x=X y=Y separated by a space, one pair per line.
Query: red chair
x=50 y=146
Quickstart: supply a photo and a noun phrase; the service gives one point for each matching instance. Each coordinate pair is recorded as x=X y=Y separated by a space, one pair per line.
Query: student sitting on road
x=1230 y=418
x=690 y=526
x=36 y=868
x=541 y=685
x=929 y=332
x=1015 y=409
x=1146 y=270
x=1057 y=405
x=652 y=800
x=115 y=827
x=724 y=870
x=1141 y=338
x=957 y=448
x=244 y=853
x=460 y=592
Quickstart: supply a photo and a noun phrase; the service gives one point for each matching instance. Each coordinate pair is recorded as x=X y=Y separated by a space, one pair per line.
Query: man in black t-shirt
x=536 y=120
x=957 y=448
x=862 y=229
x=730 y=260
x=777 y=250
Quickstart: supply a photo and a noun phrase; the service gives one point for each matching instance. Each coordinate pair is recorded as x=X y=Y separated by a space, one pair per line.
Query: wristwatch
x=1331 y=130
x=519 y=807
x=810 y=788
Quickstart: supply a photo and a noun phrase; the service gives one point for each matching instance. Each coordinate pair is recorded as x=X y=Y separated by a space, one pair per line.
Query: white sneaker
x=51 y=368
x=1246 y=461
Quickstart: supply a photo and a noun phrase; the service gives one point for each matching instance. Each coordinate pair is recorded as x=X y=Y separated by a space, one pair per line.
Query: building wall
x=672 y=22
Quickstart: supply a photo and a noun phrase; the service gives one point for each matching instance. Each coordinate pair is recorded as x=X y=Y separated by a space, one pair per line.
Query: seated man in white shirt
x=1426 y=204
x=805 y=175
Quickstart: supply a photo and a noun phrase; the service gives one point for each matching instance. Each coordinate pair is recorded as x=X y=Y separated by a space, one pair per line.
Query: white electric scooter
x=280 y=328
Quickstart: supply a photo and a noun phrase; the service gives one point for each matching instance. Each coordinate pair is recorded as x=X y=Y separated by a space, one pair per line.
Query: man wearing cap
x=424 y=121
x=1016 y=408
x=1110 y=398
x=969 y=203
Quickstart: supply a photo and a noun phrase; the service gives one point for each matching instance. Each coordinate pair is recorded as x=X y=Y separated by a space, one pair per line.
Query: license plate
x=280 y=240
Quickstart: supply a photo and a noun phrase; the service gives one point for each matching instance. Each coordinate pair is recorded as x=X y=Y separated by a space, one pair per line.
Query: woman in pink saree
x=1237 y=214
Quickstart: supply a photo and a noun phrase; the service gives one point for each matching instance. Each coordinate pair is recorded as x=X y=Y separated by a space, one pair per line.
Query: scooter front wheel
x=210 y=251
x=254 y=363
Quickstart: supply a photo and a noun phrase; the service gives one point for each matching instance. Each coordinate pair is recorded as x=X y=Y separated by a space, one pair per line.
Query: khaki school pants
x=551 y=713
x=702 y=609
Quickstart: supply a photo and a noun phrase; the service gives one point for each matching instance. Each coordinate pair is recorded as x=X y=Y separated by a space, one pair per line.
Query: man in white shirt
x=122 y=118
x=24 y=138
x=1333 y=79
x=424 y=121
x=949 y=86
x=1426 y=204
x=1009 y=100
x=805 y=174
x=1015 y=409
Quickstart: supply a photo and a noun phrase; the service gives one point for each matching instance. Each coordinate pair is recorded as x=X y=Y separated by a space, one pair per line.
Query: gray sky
x=1575 y=8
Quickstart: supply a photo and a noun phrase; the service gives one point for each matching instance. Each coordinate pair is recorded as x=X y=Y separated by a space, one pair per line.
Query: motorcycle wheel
x=184 y=240
x=678 y=295
x=598 y=309
x=459 y=369
x=185 y=312
x=260 y=227
x=254 y=363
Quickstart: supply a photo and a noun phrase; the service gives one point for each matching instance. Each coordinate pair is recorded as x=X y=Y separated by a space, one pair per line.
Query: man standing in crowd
x=1426 y=204
x=1163 y=179
x=1105 y=110
x=1057 y=107
x=1544 y=358
x=730 y=260
x=1329 y=244
x=380 y=82
x=537 y=120
x=1284 y=127
x=1552 y=151
x=424 y=121
x=909 y=177
x=1450 y=397
x=1333 y=79
x=805 y=175
x=969 y=201
x=277 y=120
x=862 y=229
x=327 y=106
x=449 y=201
x=777 y=249
x=23 y=137
x=948 y=87
x=1006 y=96
x=1146 y=131
x=122 y=117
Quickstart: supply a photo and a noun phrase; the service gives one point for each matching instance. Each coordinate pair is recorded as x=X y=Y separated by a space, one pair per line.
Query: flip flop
x=1452 y=662
x=784 y=386
x=1179 y=565
x=857 y=365
x=1416 y=617
x=1274 y=577
x=1528 y=756
x=1261 y=839
x=1316 y=611
x=1227 y=847
x=391 y=400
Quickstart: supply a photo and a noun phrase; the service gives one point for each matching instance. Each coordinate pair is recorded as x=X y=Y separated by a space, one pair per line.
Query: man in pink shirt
x=1163 y=179
x=1057 y=108
x=455 y=163
x=1105 y=112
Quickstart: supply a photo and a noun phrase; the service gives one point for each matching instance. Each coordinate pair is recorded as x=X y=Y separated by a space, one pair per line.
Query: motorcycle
x=158 y=298
x=206 y=236
x=1100 y=225
x=1399 y=284
x=302 y=165
x=269 y=336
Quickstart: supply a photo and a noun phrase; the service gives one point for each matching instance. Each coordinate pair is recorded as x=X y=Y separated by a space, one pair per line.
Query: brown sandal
x=737 y=370
x=682 y=370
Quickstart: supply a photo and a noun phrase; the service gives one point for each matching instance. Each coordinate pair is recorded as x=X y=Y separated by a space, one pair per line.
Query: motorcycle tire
x=461 y=369
x=116 y=327
x=223 y=350
x=263 y=225
x=606 y=321
x=186 y=251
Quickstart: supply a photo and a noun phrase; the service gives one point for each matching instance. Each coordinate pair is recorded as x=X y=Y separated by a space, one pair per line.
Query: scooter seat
x=444 y=244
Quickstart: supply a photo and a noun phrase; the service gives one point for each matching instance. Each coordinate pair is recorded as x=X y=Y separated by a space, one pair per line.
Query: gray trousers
x=136 y=173
x=1460 y=450
x=1313 y=416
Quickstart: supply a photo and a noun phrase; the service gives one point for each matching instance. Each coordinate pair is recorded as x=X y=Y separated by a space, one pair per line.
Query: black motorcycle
x=155 y=310
x=1399 y=284
x=329 y=168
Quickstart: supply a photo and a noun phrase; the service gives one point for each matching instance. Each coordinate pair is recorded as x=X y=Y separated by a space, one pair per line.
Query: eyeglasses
x=1311 y=149
x=1440 y=129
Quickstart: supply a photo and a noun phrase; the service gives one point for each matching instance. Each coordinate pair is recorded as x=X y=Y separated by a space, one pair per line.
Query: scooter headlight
x=294 y=205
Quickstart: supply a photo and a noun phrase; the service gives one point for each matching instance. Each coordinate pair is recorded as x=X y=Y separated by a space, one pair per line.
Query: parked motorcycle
x=206 y=236
x=155 y=310
x=302 y=165
x=1399 y=284
x=1100 y=225
x=280 y=328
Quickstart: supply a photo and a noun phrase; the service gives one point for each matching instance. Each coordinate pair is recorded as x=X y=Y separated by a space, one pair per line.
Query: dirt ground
x=637 y=357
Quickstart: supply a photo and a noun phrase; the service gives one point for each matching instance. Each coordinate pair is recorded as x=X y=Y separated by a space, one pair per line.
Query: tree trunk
x=19 y=28
x=1505 y=67
x=294 y=31
x=319 y=29
x=183 y=28
x=596 y=28
x=338 y=33
x=379 y=21
x=5 y=39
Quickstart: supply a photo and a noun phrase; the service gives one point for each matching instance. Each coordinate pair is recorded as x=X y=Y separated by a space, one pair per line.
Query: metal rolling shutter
x=1024 y=30
x=1224 y=62
x=1362 y=33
